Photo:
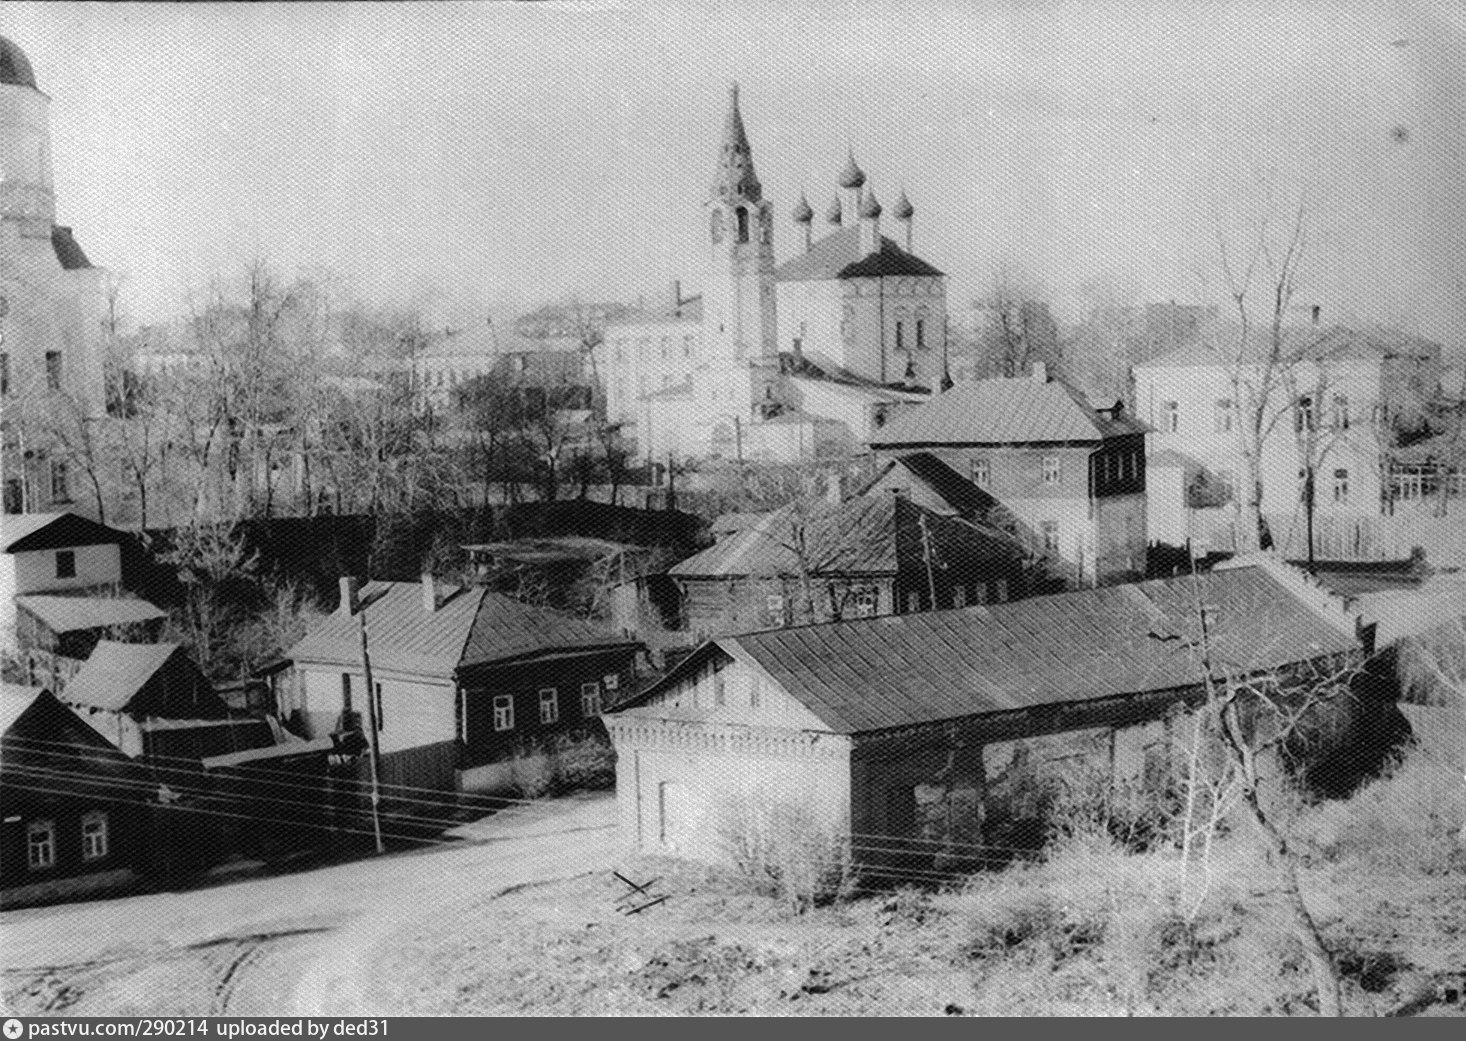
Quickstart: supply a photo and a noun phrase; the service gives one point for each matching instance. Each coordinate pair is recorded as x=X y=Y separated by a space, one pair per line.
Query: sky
x=462 y=157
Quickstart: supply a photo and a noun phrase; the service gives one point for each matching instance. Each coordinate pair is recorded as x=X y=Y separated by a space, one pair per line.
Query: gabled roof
x=1005 y=412
x=48 y=749
x=23 y=532
x=67 y=614
x=838 y=255
x=950 y=486
x=904 y=670
x=865 y=535
x=154 y=679
x=470 y=627
x=15 y=698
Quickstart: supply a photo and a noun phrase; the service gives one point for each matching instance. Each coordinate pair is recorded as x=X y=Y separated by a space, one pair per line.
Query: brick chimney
x=429 y=593
x=349 y=589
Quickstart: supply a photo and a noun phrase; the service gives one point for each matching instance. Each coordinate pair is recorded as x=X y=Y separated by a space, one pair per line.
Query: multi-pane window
x=775 y=606
x=66 y=563
x=1170 y=416
x=53 y=370
x=549 y=705
x=1222 y=416
x=1000 y=591
x=1341 y=412
x=982 y=473
x=1050 y=531
x=720 y=690
x=590 y=699
x=41 y=844
x=1051 y=469
x=611 y=681
x=94 y=835
x=865 y=605
x=503 y=712
x=1341 y=486
x=959 y=596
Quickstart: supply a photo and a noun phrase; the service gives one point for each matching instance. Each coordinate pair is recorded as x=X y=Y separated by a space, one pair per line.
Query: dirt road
x=296 y=944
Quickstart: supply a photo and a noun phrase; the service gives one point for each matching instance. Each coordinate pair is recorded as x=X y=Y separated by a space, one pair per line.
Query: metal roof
x=470 y=626
x=865 y=535
x=116 y=672
x=1005 y=412
x=1222 y=345
x=838 y=255
x=66 y=614
x=950 y=486
x=903 y=670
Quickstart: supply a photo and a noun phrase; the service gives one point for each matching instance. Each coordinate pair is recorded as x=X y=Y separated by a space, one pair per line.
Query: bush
x=785 y=851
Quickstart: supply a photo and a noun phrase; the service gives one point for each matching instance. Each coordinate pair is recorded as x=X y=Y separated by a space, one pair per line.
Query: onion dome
x=904 y=209
x=869 y=207
x=15 y=67
x=802 y=213
x=833 y=213
x=851 y=176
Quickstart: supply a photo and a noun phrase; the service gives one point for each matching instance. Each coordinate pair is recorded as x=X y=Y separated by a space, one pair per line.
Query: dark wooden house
x=74 y=807
x=865 y=557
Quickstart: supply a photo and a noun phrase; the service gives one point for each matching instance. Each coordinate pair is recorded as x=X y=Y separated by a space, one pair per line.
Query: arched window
x=742 y=224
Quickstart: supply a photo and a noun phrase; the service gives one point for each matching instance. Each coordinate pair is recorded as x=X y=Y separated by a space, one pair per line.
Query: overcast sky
x=462 y=156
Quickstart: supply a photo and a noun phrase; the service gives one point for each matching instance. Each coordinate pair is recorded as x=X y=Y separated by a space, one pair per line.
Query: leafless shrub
x=786 y=851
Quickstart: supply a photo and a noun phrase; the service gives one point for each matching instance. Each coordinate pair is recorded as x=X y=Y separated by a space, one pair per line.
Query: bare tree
x=1016 y=328
x=1259 y=358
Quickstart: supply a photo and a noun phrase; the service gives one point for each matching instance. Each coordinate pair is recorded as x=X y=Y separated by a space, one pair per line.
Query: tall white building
x=52 y=301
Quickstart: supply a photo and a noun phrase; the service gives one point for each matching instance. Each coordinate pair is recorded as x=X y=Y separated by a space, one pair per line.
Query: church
x=52 y=304
x=781 y=362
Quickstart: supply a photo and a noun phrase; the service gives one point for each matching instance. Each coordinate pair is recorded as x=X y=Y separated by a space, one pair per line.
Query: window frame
x=549 y=702
x=590 y=699
x=1171 y=416
x=1341 y=486
x=66 y=563
x=33 y=830
x=981 y=472
x=1053 y=470
x=99 y=849
x=54 y=377
x=1049 y=529
x=503 y=706
x=1224 y=416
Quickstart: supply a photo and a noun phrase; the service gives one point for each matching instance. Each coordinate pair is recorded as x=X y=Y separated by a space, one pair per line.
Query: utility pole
x=374 y=755
x=926 y=554
x=1308 y=492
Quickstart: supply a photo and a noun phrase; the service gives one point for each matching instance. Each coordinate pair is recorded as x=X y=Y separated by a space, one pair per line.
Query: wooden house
x=1071 y=475
x=939 y=736
x=466 y=680
x=865 y=557
x=74 y=807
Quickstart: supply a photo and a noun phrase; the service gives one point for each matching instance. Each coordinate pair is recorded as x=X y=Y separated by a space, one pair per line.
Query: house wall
x=416 y=711
x=639 y=358
x=714 y=606
x=485 y=743
x=72 y=874
x=1357 y=449
x=35 y=571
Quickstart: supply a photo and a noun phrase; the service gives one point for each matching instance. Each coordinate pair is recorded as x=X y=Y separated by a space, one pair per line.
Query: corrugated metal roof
x=471 y=626
x=903 y=670
x=65 y=614
x=1222 y=345
x=1004 y=411
x=837 y=255
x=953 y=489
x=865 y=535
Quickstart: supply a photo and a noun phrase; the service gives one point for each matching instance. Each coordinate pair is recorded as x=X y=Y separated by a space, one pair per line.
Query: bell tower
x=738 y=292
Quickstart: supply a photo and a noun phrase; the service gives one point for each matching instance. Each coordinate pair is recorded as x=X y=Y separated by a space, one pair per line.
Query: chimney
x=1315 y=314
x=349 y=589
x=1040 y=372
x=429 y=593
x=674 y=295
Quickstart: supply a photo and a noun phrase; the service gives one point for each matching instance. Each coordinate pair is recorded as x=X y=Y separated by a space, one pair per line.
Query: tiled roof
x=1004 y=412
x=470 y=626
x=903 y=670
x=837 y=255
x=115 y=672
x=65 y=614
x=22 y=532
x=865 y=535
